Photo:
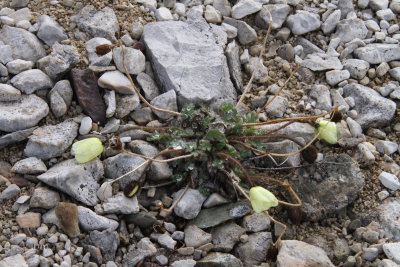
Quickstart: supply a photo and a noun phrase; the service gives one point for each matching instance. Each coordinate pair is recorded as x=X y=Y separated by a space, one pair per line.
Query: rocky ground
x=57 y=212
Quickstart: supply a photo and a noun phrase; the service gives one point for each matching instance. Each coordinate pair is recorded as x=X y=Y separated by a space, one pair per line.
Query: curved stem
x=145 y=128
x=281 y=224
x=237 y=163
x=166 y=212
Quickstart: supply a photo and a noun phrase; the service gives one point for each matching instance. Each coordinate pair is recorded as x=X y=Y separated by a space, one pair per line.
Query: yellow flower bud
x=329 y=134
x=87 y=149
x=261 y=199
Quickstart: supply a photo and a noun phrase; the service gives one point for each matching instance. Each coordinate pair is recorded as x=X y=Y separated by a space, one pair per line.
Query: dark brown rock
x=86 y=90
x=67 y=215
x=20 y=181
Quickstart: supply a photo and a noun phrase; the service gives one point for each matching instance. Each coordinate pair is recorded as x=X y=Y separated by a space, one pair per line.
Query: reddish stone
x=87 y=92
x=20 y=181
x=140 y=46
x=67 y=215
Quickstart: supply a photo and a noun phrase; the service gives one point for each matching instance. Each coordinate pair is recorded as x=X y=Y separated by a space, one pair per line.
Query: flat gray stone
x=30 y=165
x=226 y=236
x=107 y=241
x=254 y=250
x=195 y=237
x=390 y=181
x=378 y=53
x=232 y=55
x=45 y=198
x=9 y=93
x=219 y=259
x=10 y=192
x=49 y=30
x=15 y=137
x=331 y=21
x=190 y=204
x=94 y=59
x=245 y=33
x=166 y=101
x=23 y=113
x=90 y=221
x=15 y=260
x=30 y=81
x=135 y=61
x=103 y=23
x=118 y=204
x=303 y=22
x=18 y=65
x=60 y=97
x=25 y=45
x=320 y=93
x=186 y=59
x=148 y=85
x=317 y=63
x=392 y=251
x=245 y=7
x=298 y=253
x=6 y=54
x=279 y=13
x=350 y=29
x=117 y=81
x=77 y=180
x=358 y=68
x=51 y=141
x=373 y=109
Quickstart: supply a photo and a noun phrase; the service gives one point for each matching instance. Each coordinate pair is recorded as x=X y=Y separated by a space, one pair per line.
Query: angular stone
x=10 y=192
x=9 y=93
x=49 y=30
x=15 y=137
x=28 y=220
x=77 y=180
x=51 y=141
x=358 y=68
x=390 y=181
x=89 y=221
x=279 y=13
x=392 y=251
x=334 y=77
x=190 y=204
x=145 y=248
x=219 y=259
x=330 y=23
x=18 y=65
x=298 y=253
x=117 y=81
x=135 y=61
x=29 y=166
x=107 y=241
x=373 y=109
x=232 y=55
x=94 y=59
x=166 y=101
x=23 y=113
x=195 y=237
x=118 y=204
x=25 y=45
x=30 y=81
x=45 y=198
x=86 y=90
x=317 y=63
x=350 y=29
x=226 y=236
x=6 y=54
x=148 y=85
x=303 y=22
x=377 y=53
x=256 y=222
x=15 y=260
x=103 y=23
x=67 y=215
x=61 y=60
x=254 y=250
x=245 y=7
x=245 y=32
x=173 y=47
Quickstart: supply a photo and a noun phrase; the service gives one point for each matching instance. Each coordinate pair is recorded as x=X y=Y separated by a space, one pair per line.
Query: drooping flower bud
x=328 y=134
x=87 y=149
x=261 y=199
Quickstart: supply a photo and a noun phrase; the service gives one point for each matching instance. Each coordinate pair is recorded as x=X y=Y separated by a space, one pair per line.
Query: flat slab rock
x=187 y=59
x=76 y=180
x=23 y=113
x=327 y=188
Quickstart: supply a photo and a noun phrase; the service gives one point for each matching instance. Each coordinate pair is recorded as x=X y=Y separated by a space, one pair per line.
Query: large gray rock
x=388 y=213
x=254 y=250
x=61 y=60
x=51 y=141
x=298 y=253
x=89 y=221
x=9 y=93
x=187 y=59
x=103 y=23
x=107 y=241
x=358 y=68
x=245 y=33
x=121 y=164
x=279 y=12
x=373 y=109
x=303 y=22
x=245 y=7
x=15 y=260
x=378 y=53
x=30 y=81
x=44 y=197
x=350 y=29
x=77 y=180
x=49 y=30
x=317 y=63
x=29 y=166
x=328 y=188
x=165 y=101
x=23 y=113
x=25 y=45
x=118 y=204
x=190 y=204
x=135 y=61
x=225 y=237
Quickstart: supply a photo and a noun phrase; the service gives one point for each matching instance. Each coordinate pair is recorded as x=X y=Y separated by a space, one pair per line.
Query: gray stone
x=246 y=34
x=279 y=12
x=369 y=254
x=213 y=200
x=9 y=93
x=61 y=60
x=377 y=53
x=245 y=7
x=103 y=23
x=334 y=77
x=223 y=6
x=254 y=250
x=148 y=86
x=60 y=98
x=303 y=22
x=166 y=101
x=205 y=81
x=10 y=192
x=117 y=81
x=110 y=101
x=184 y=263
x=51 y=141
x=298 y=129
x=144 y=249
x=256 y=222
x=392 y=251
x=107 y=241
x=190 y=204
x=226 y=236
x=285 y=146
x=219 y=259
x=45 y=198
x=166 y=241
x=388 y=213
x=120 y=165
x=136 y=30
x=346 y=7
x=293 y=252
x=277 y=107
x=23 y=113
x=395 y=73
x=3 y=71
x=18 y=65
x=25 y=45
x=358 y=68
x=15 y=260
x=30 y=81
x=395 y=6
x=372 y=25
x=386 y=147
x=350 y=29
x=21 y=14
x=385 y=14
x=232 y=55
x=135 y=61
x=378 y=4
x=15 y=137
x=317 y=63
x=94 y=59
x=49 y=30
x=6 y=54
x=19 y=3
x=261 y=75
x=322 y=96
x=86 y=125
x=29 y=166
x=331 y=21
x=318 y=188
x=89 y=221
x=118 y=204
x=163 y=14
x=76 y=180
x=354 y=127
x=373 y=109
x=212 y=15
x=389 y=180
x=195 y=237
x=158 y=170
x=126 y=104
